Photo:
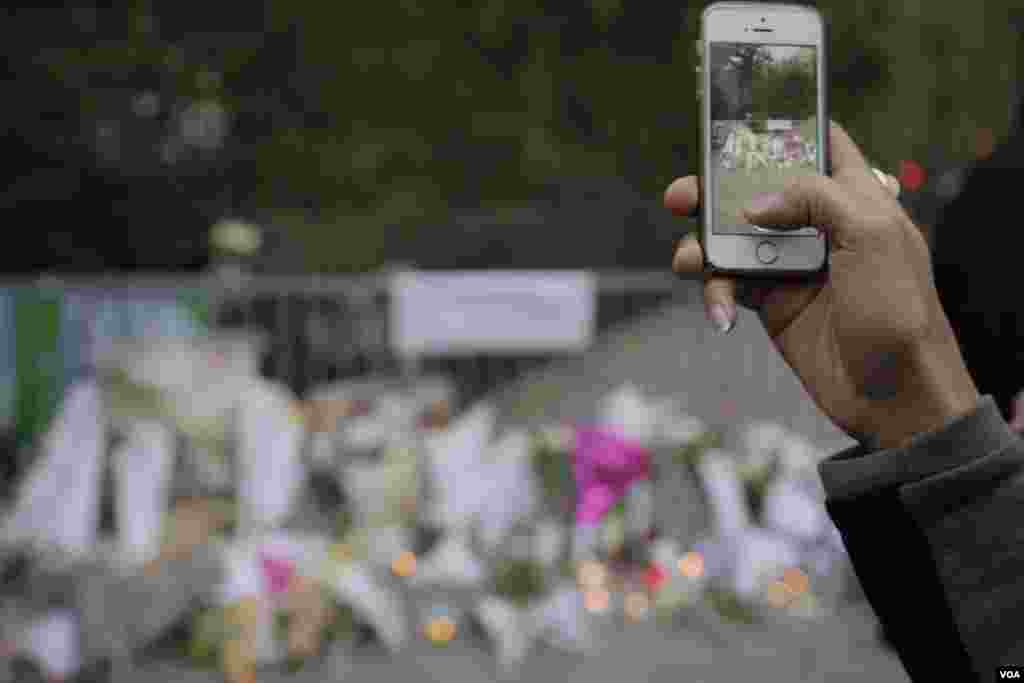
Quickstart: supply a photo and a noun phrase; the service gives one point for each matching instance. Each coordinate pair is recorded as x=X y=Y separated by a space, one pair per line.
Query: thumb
x=816 y=201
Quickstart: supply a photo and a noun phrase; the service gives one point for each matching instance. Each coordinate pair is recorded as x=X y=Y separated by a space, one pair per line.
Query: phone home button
x=767 y=252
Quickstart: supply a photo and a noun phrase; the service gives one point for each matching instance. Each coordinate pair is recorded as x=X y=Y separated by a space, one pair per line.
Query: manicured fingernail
x=764 y=202
x=723 y=317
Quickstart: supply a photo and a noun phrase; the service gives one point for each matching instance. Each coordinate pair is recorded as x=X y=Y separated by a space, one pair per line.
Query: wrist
x=937 y=389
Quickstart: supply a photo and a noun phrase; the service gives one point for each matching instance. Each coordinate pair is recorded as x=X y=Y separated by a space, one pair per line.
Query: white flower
x=451 y=565
x=627 y=411
x=791 y=510
x=761 y=443
x=724 y=491
x=509 y=628
x=237 y=237
x=682 y=430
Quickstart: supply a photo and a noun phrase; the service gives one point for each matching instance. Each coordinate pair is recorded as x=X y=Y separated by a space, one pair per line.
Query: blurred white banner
x=453 y=312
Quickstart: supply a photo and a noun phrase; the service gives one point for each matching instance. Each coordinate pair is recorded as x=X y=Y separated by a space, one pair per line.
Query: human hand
x=870 y=341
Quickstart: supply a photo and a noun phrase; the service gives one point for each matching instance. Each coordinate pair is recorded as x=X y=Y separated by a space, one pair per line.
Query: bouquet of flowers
x=285 y=597
x=745 y=148
x=121 y=429
x=499 y=553
x=369 y=456
x=382 y=502
x=677 y=580
x=551 y=463
x=772 y=539
x=456 y=482
x=360 y=417
x=606 y=469
x=479 y=490
x=453 y=460
x=615 y=474
x=300 y=619
x=526 y=600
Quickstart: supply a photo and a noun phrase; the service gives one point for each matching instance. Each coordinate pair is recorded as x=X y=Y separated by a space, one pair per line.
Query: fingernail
x=764 y=202
x=723 y=317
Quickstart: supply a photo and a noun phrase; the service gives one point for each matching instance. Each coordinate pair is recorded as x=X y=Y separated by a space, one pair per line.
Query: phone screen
x=764 y=125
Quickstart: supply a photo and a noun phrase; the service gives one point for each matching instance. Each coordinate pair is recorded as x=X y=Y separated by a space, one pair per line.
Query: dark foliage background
x=487 y=133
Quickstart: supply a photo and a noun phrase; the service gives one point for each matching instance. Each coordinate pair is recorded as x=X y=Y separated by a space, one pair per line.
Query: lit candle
x=440 y=630
x=796 y=581
x=596 y=600
x=691 y=565
x=404 y=565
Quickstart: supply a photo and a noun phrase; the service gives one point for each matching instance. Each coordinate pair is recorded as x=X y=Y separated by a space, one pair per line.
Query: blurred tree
x=747 y=60
x=135 y=127
x=785 y=89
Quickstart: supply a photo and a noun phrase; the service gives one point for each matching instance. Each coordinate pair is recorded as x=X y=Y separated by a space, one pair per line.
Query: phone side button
x=767 y=252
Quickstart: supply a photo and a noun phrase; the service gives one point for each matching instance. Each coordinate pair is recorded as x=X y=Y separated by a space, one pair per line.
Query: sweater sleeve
x=935 y=534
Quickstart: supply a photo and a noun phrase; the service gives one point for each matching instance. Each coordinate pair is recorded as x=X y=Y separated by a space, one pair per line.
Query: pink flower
x=277 y=573
x=605 y=465
x=655 y=576
x=794 y=145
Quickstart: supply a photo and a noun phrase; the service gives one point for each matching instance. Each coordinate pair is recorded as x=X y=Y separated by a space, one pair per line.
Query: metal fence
x=320 y=329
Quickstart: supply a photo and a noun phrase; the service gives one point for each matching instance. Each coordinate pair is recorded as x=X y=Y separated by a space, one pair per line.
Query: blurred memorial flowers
x=418 y=512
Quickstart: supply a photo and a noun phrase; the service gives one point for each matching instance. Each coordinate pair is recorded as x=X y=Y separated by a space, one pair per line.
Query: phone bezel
x=800 y=253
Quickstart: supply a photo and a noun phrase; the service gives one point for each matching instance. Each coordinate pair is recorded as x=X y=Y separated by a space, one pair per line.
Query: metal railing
x=319 y=329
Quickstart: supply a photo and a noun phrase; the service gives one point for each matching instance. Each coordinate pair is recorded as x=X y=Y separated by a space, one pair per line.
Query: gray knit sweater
x=936 y=535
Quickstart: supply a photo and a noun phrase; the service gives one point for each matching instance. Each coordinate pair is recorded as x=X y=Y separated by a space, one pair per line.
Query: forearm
x=930 y=530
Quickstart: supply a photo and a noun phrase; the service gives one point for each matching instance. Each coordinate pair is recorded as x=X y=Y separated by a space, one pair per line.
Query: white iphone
x=764 y=114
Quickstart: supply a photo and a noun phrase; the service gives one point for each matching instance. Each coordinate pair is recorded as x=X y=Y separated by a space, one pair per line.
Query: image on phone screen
x=764 y=126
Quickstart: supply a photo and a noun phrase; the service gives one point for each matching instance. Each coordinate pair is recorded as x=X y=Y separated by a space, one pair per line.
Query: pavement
x=726 y=380
x=839 y=649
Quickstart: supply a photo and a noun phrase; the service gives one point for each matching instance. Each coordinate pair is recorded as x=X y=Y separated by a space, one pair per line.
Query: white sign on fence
x=453 y=312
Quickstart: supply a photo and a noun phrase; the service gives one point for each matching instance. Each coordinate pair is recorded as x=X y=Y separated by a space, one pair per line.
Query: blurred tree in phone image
x=786 y=88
